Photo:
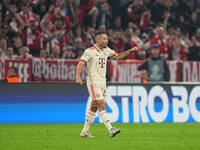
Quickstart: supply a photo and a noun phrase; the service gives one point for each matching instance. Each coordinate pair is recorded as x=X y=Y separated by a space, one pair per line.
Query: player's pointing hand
x=134 y=49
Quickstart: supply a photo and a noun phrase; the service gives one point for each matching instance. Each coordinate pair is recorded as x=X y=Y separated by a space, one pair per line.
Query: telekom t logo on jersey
x=102 y=62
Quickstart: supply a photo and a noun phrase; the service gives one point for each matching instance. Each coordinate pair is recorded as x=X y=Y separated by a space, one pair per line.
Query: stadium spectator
x=2 y=54
x=60 y=8
x=119 y=42
x=43 y=54
x=32 y=36
x=61 y=33
x=194 y=23
x=17 y=44
x=141 y=55
x=24 y=53
x=135 y=40
x=13 y=22
x=61 y=23
x=128 y=35
x=117 y=25
x=179 y=48
x=145 y=39
x=136 y=37
x=40 y=7
x=160 y=38
x=138 y=14
x=3 y=44
x=78 y=44
x=56 y=52
x=26 y=15
x=72 y=11
x=84 y=8
x=12 y=76
x=104 y=14
x=48 y=38
x=10 y=53
x=194 y=51
x=102 y=28
x=155 y=69
x=69 y=53
x=90 y=36
x=46 y=23
x=90 y=19
x=59 y=15
x=28 y=27
x=78 y=32
x=49 y=35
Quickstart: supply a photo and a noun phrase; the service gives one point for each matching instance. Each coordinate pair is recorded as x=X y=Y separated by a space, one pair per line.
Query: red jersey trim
x=113 y=55
x=93 y=93
x=96 y=48
x=83 y=61
x=92 y=48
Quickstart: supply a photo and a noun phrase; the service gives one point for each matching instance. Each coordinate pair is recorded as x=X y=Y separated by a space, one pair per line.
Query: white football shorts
x=97 y=92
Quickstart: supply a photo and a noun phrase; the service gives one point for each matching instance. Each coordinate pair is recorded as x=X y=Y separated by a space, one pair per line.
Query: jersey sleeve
x=86 y=56
x=111 y=52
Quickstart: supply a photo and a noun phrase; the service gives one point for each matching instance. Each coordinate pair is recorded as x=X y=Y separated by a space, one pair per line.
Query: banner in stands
x=126 y=103
x=125 y=71
x=191 y=71
x=56 y=70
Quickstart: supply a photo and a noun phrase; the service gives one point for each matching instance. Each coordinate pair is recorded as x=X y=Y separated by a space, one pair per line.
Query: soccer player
x=96 y=59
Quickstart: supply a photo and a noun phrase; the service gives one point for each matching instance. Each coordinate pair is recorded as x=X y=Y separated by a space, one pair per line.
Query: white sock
x=89 y=120
x=105 y=119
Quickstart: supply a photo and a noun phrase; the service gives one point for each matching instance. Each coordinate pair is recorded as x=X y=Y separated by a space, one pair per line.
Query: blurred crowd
x=63 y=29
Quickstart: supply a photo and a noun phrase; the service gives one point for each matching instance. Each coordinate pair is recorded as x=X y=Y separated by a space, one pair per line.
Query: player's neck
x=99 y=48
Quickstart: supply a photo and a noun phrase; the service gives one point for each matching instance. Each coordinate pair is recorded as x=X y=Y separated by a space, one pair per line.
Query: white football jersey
x=96 y=63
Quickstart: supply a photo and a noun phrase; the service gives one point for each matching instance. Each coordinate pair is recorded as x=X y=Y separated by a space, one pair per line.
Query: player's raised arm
x=78 y=72
x=122 y=55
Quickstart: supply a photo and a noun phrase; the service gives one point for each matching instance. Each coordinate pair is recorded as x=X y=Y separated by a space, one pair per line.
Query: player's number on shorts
x=104 y=93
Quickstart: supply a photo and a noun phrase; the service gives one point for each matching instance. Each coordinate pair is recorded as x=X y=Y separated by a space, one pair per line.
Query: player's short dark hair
x=100 y=33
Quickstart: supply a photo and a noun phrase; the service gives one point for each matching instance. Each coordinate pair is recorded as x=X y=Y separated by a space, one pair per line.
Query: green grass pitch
x=147 y=136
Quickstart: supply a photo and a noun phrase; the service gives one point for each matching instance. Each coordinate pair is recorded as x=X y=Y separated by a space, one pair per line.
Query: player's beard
x=103 y=45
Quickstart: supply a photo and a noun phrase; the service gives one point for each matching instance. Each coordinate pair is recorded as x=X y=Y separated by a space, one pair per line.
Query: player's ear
x=97 y=38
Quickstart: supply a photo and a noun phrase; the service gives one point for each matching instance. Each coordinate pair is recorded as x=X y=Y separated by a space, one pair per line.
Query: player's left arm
x=122 y=55
x=78 y=72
